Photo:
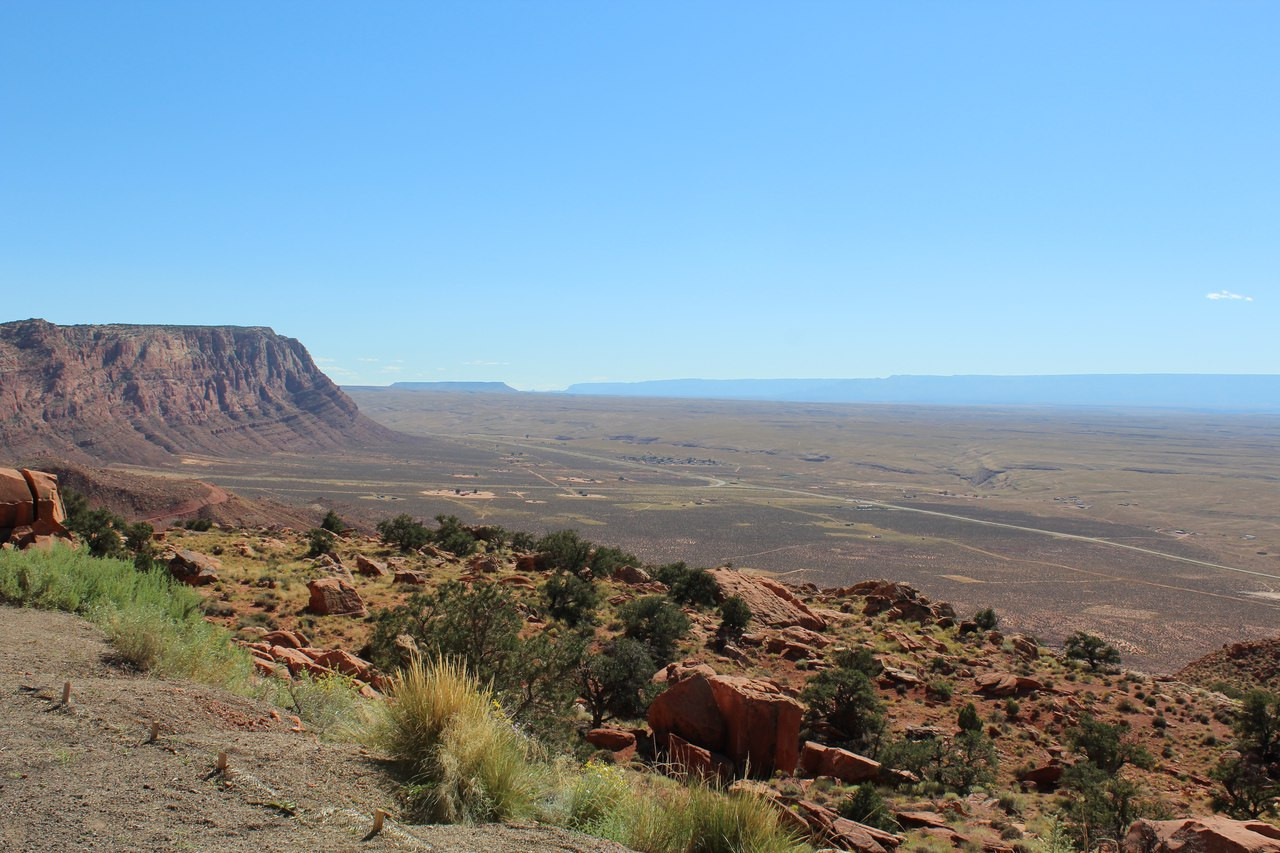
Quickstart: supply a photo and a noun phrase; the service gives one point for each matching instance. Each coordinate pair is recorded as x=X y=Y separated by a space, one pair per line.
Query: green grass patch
x=154 y=622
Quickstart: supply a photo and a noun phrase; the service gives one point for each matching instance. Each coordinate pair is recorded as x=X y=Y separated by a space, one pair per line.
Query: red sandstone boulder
x=528 y=564
x=334 y=597
x=829 y=828
x=410 y=577
x=194 y=568
x=1045 y=776
x=772 y=604
x=631 y=575
x=611 y=739
x=288 y=639
x=1202 y=835
x=370 y=568
x=820 y=760
x=688 y=709
x=345 y=663
x=696 y=762
x=1006 y=684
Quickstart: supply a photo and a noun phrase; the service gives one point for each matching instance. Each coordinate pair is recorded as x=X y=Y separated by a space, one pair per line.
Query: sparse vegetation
x=656 y=622
x=1091 y=649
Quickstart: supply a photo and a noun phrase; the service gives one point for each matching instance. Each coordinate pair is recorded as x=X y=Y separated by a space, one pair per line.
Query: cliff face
x=143 y=393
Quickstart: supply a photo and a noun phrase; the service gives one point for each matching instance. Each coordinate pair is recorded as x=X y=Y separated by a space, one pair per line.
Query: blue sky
x=548 y=192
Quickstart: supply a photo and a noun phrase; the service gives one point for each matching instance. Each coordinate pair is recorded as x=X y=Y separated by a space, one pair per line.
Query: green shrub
x=1091 y=649
x=987 y=620
x=865 y=805
x=605 y=560
x=735 y=615
x=333 y=522
x=330 y=704
x=656 y=622
x=320 y=541
x=453 y=537
x=617 y=681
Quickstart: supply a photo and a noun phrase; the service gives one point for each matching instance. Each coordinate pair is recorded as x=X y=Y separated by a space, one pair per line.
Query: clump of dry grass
x=465 y=759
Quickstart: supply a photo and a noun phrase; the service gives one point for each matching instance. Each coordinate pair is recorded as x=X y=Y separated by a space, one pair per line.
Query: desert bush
x=333 y=522
x=987 y=620
x=199 y=525
x=453 y=537
x=735 y=615
x=320 y=541
x=865 y=805
x=480 y=627
x=330 y=704
x=465 y=759
x=695 y=588
x=1257 y=725
x=656 y=622
x=968 y=718
x=404 y=532
x=571 y=599
x=605 y=560
x=1091 y=649
x=563 y=549
x=1248 y=791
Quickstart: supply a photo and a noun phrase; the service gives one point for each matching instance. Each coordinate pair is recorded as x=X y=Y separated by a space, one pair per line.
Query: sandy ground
x=83 y=776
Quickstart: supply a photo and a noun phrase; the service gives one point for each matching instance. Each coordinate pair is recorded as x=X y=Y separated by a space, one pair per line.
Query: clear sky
x=549 y=192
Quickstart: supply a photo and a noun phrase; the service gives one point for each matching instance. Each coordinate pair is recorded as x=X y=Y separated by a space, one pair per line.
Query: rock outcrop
x=772 y=604
x=31 y=510
x=900 y=602
x=751 y=722
x=194 y=568
x=1202 y=835
x=143 y=393
x=821 y=760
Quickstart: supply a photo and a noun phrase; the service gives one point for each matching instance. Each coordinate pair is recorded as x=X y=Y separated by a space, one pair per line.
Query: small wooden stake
x=222 y=762
x=66 y=693
x=378 y=817
x=155 y=731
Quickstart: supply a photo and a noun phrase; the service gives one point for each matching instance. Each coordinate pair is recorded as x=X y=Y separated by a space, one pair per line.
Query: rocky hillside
x=125 y=393
x=1237 y=667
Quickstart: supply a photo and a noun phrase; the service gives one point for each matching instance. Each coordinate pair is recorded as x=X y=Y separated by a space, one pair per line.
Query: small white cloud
x=340 y=371
x=485 y=363
x=1227 y=294
x=391 y=368
x=320 y=360
x=368 y=359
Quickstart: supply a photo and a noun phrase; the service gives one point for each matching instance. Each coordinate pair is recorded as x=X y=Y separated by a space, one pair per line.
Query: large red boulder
x=334 y=597
x=751 y=721
x=772 y=604
x=1202 y=835
x=345 y=663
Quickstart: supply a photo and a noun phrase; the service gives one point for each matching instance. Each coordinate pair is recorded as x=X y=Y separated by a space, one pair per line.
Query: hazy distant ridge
x=1236 y=392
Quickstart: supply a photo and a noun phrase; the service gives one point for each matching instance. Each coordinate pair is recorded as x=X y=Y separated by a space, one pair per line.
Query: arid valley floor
x=1159 y=530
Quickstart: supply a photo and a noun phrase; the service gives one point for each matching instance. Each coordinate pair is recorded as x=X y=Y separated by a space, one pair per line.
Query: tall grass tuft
x=154 y=622
x=467 y=762
x=655 y=814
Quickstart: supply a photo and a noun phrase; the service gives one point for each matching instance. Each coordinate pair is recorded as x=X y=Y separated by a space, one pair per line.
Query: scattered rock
x=631 y=575
x=410 y=577
x=1006 y=684
x=821 y=760
x=334 y=597
x=194 y=568
x=370 y=568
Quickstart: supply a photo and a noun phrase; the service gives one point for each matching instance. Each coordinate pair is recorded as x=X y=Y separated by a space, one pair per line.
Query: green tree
x=986 y=619
x=616 y=682
x=1091 y=649
x=866 y=806
x=844 y=699
x=571 y=599
x=656 y=622
x=970 y=761
x=1106 y=746
x=1257 y=725
x=1248 y=792
x=563 y=549
x=404 y=532
x=333 y=522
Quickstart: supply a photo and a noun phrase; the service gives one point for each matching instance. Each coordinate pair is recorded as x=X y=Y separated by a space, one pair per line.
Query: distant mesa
x=1216 y=392
x=463 y=387
x=141 y=394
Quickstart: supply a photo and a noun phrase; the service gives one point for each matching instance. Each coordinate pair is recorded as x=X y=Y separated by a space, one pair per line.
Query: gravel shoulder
x=84 y=777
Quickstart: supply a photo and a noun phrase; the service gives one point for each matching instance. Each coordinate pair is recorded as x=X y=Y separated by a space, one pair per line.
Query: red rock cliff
x=142 y=393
